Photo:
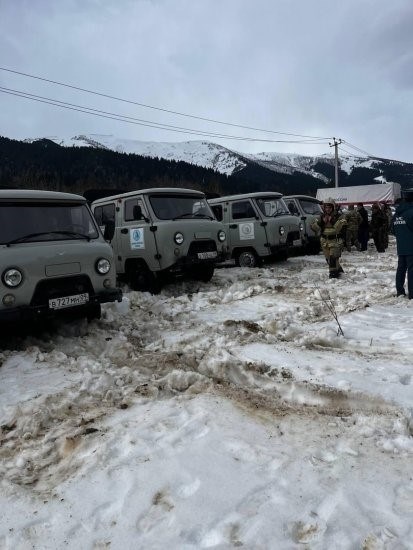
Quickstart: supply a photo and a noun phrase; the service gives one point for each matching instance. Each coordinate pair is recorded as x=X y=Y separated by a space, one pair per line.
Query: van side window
x=217 y=210
x=105 y=213
x=292 y=207
x=241 y=210
x=129 y=205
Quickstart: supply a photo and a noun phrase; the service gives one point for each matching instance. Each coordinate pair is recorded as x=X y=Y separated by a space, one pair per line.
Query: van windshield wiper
x=185 y=215
x=192 y=215
x=203 y=216
x=25 y=238
x=75 y=234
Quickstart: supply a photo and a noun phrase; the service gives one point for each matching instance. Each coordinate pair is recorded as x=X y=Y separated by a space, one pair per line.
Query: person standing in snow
x=331 y=225
x=363 y=233
x=402 y=226
x=354 y=219
x=387 y=211
x=378 y=227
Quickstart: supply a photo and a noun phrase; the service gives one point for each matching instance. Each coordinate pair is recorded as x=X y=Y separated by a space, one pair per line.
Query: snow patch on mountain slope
x=213 y=156
x=199 y=153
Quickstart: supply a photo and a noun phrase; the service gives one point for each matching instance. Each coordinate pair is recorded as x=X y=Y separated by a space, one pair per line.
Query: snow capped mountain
x=200 y=153
x=210 y=155
x=229 y=162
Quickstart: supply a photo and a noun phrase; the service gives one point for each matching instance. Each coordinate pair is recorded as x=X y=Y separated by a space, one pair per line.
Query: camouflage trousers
x=352 y=238
x=332 y=249
x=380 y=236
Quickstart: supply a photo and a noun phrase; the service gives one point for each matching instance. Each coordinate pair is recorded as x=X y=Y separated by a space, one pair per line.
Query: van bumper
x=31 y=313
x=191 y=261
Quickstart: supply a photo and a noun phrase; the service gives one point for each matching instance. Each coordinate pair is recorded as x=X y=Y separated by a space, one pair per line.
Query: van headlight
x=221 y=235
x=178 y=238
x=12 y=277
x=102 y=266
x=281 y=230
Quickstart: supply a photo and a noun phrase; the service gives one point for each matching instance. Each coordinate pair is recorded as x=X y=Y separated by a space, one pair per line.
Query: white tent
x=366 y=194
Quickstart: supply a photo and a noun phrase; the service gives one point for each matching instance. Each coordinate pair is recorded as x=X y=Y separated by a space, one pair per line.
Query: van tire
x=202 y=273
x=94 y=311
x=314 y=249
x=281 y=256
x=144 y=280
x=246 y=258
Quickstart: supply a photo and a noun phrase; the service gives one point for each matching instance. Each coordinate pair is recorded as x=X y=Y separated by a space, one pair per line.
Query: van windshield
x=40 y=222
x=311 y=207
x=174 y=207
x=272 y=207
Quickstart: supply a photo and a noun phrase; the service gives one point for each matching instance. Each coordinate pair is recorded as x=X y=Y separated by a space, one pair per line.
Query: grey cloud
x=311 y=67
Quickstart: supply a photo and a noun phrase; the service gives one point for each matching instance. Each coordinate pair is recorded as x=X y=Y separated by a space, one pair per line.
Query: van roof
x=306 y=197
x=152 y=190
x=36 y=195
x=257 y=195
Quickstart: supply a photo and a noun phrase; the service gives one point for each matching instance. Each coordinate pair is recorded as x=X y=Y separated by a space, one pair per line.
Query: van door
x=135 y=238
x=105 y=216
x=310 y=210
x=246 y=227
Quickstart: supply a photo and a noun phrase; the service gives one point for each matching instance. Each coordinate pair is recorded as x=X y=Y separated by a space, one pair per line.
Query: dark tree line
x=45 y=165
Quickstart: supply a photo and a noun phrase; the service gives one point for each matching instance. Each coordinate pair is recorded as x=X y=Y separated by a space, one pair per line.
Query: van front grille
x=201 y=246
x=293 y=236
x=60 y=287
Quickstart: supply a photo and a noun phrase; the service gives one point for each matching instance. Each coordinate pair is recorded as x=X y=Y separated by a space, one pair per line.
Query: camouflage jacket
x=354 y=219
x=330 y=226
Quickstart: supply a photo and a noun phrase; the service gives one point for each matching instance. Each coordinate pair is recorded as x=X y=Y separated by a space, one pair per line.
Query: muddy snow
x=271 y=408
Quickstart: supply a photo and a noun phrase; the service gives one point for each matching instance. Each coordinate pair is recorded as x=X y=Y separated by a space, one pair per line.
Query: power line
x=357 y=148
x=348 y=152
x=142 y=122
x=155 y=108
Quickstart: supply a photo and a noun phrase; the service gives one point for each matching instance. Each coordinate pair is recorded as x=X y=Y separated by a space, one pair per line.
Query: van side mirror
x=109 y=231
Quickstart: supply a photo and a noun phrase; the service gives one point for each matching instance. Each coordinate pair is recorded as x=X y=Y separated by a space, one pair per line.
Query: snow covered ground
x=220 y=415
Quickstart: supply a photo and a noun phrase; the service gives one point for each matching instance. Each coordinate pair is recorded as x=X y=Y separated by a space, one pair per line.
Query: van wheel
x=202 y=273
x=314 y=248
x=94 y=311
x=281 y=256
x=247 y=258
x=145 y=281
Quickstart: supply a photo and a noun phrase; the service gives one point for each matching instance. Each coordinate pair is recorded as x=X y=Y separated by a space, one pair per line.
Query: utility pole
x=335 y=144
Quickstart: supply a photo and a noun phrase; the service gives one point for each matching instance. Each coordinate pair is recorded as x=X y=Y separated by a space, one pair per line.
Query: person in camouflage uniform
x=330 y=225
x=389 y=215
x=354 y=220
x=378 y=227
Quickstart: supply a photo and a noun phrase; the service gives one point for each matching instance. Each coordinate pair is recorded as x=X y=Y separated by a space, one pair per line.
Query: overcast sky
x=322 y=68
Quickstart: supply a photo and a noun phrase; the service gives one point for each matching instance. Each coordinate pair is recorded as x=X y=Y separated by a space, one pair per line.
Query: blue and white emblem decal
x=137 y=238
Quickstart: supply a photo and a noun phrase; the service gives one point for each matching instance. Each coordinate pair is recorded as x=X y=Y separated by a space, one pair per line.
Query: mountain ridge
x=99 y=158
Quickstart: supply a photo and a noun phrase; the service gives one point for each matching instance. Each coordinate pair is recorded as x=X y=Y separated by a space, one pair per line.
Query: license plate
x=207 y=255
x=297 y=242
x=69 y=301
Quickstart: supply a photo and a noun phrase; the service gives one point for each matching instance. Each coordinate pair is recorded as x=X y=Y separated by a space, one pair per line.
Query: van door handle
x=233 y=226
x=263 y=224
x=124 y=231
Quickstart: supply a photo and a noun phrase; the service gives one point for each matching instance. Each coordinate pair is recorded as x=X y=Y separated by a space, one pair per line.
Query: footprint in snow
x=307 y=531
x=158 y=513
